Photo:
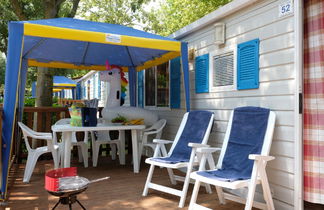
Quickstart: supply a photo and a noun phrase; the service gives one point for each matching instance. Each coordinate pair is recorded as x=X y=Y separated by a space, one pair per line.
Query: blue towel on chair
x=247 y=134
x=193 y=132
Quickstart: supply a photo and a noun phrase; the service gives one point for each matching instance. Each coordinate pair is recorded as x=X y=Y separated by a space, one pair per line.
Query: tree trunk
x=44 y=87
x=44 y=92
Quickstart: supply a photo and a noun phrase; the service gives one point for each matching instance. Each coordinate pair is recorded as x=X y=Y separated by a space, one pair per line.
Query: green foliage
x=172 y=15
x=30 y=102
x=123 y=12
x=5 y=16
x=2 y=73
x=15 y=10
x=119 y=119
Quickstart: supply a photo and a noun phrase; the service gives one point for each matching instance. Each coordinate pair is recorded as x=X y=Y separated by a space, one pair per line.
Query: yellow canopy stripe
x=164 y=58
x=56 y=90
x=64 y=85
x=98 y=37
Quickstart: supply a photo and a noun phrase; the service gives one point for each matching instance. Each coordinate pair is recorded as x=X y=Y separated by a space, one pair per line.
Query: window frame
x=211 y=70
x=155 y=107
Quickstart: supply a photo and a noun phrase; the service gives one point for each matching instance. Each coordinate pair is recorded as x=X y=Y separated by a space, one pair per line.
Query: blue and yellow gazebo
x=77 y=44
x=60 y=83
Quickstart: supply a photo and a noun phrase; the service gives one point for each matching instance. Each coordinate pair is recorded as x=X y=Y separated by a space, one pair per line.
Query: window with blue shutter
x=202 y=73
x=248 y=65
x=84 y=93
x=175 y=83
x=78 y=91
x=140 y=89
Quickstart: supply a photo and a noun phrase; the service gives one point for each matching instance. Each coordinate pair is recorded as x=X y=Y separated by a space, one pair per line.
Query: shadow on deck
x=122 y=191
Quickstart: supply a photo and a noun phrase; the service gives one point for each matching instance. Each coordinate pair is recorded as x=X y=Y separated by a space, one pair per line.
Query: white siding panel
x=280 y=72
x=283 y=118
x=281 y=178
x=280 y=87
x=272 y=102
x=277 y=43
x=282 y=148
x=283 y=194
x=283 y=206
x=284 y=133
x=259 y=19
x=277 y=58
x=283 y=164
x=276 y=91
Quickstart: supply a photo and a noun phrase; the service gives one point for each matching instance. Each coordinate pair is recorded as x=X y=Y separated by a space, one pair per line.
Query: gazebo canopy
x=87 y=45
x=77 y=44
x=59 y=83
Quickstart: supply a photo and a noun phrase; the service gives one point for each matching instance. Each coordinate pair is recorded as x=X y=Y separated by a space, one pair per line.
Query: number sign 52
x=286 y=8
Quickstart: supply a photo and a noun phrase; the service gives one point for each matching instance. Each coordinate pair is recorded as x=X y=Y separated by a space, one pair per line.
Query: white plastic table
x=67 y=130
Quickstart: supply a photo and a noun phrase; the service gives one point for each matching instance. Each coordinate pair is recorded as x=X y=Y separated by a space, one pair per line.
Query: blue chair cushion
x=193 y=132
x=247 y=134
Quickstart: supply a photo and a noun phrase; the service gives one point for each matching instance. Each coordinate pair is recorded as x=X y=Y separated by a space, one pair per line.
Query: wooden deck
x=122 y=191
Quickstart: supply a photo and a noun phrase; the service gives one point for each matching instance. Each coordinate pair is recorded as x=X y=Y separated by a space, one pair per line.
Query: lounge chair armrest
x=209 y=150
x=260 y=157
x=197 y=145
x=162 y=141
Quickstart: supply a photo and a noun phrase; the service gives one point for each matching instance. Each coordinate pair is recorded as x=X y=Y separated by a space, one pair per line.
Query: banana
x=135 y=122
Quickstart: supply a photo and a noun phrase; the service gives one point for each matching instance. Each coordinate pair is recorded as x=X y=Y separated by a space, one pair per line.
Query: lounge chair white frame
x=258 y=175
x=81 y=145
x=189 y=165
x=156 y=130
x=33 y=154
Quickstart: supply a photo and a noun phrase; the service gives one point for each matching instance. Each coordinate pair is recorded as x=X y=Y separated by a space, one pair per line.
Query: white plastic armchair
x=81 y=145
x=33 y=154
x=103 y=137
x=156 y=131
x=258 y=174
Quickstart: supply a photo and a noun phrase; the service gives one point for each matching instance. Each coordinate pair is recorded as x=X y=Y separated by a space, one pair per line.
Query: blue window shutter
x=78 y=91
x=175 y=83
x=34 y=90
x=140 y=88
x=248 y=65
x=202 y=73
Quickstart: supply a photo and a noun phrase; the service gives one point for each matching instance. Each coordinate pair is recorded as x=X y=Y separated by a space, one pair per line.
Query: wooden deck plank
x=122 y=191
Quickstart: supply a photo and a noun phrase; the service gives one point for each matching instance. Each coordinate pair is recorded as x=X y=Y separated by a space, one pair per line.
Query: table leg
x=136 y=163
x=66 y=136
x=122 y=148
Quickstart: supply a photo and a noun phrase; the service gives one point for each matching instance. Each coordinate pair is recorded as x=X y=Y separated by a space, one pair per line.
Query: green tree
x=172 y=15
x=123 y=12
x=2 y=75
x=31 y=10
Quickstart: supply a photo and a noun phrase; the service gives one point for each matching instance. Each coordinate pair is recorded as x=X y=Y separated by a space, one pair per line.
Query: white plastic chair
x=33 y=154
x=193 y=133
x=81 y=145
x=103 y=137
x=156 y=131
x=258 y=173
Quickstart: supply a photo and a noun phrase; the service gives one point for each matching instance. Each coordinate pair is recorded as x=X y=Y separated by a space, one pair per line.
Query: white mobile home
x=219 y=80
x=92 y=87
